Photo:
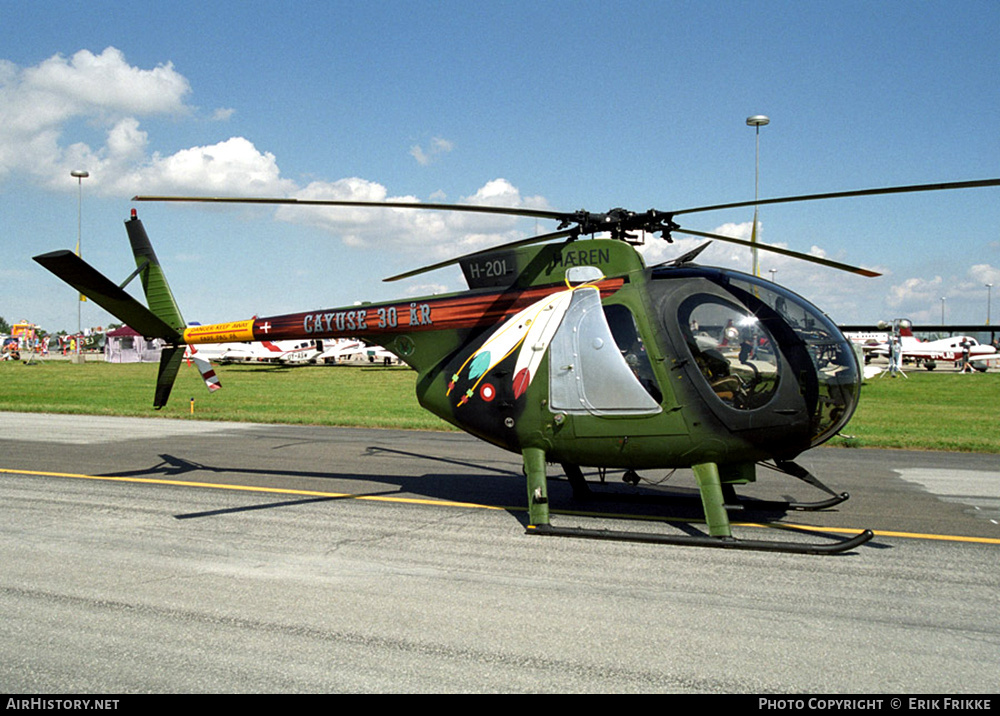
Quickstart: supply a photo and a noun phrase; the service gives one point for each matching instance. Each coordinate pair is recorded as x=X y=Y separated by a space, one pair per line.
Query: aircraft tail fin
x=170 y=362
x=162 y=319
x=154 y=282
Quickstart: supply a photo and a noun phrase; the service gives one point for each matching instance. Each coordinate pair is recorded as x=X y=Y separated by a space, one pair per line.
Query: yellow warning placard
x=234 y=332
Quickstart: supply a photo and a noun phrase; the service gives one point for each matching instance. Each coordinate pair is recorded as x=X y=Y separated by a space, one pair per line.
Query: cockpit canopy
x=757 y=352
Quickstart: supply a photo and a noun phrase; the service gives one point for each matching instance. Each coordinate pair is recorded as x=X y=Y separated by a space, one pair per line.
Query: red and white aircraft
x=953 y=348
x=285 y=352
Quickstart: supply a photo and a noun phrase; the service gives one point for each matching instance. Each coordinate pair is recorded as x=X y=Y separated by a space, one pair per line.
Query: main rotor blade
x=778 y=250
x=979 y=183
x=471 y=208
x=510 y=245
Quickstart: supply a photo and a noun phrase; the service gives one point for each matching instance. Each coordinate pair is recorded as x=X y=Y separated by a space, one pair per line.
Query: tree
x=4 y=326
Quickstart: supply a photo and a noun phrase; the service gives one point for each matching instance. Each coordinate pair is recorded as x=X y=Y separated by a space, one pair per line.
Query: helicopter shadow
x=474 y=482
x=453 y=486
x=641 y=502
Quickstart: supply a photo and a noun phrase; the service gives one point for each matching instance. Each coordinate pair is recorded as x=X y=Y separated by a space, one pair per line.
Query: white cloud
x=982 y=274
x=435 y=234
x=103 y=87
x=234 y=166
x=965 y=297
x=420 y=155
x=37 y=103
x=438 y=147
x=88 y=83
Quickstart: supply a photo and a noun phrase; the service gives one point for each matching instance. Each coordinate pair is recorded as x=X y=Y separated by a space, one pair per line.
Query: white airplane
x=284 y=352
x=340 y=349
x=868 y=340
x=348 y=349
x=953 y=348
x=280 y=352
x=378 y=354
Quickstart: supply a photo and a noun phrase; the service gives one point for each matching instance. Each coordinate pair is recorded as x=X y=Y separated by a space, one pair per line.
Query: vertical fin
x=159 y=297
x=170 y=362
x=161 y=302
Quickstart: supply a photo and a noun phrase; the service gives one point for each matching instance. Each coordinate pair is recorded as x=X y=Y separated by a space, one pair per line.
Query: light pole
x=80 y=176
x=756 y=121
x=942 y=310
x=772 y=272
x=989 y=301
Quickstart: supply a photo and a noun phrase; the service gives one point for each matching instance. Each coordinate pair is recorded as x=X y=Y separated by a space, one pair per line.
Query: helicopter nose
x=766 y=362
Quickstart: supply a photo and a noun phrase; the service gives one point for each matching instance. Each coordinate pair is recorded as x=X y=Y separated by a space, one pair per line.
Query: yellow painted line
x=878 y=533
x=251 y=488
x=473 y=505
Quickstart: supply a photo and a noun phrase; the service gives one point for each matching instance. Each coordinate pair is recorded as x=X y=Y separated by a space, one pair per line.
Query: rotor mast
x=756 y=121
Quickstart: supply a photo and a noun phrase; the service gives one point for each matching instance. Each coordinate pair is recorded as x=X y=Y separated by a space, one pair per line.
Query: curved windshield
x=834 y=382
x=758 y=345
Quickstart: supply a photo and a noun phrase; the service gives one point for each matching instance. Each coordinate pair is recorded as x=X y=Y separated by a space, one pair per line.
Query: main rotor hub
x=622 y=224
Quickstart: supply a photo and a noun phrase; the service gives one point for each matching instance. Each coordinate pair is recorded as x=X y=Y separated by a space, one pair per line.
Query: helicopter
x=572 y=351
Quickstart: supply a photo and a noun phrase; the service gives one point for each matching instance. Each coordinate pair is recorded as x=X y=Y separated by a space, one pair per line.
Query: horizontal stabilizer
x=105 y=293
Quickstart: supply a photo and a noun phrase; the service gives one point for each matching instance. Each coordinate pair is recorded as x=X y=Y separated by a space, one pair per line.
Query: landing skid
x=735 y=502
x=704 y=540
x=717 y=499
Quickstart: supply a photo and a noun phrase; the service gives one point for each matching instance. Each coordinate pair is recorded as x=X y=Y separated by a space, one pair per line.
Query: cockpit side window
x=732 y=349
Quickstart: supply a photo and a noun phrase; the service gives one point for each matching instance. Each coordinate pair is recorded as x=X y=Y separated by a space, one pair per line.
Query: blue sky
x=563 y=105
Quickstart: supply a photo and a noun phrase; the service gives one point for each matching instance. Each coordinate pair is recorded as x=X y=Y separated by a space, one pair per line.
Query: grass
x=928 y=411
x=360 y=395
x=925 y=411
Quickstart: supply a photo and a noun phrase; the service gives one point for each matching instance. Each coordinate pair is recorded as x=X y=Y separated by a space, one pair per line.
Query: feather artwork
x=529 y=330
x=537 y=339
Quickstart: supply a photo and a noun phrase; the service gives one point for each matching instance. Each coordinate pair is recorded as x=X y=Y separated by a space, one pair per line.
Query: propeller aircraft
x=572 y=351
x=956 y=349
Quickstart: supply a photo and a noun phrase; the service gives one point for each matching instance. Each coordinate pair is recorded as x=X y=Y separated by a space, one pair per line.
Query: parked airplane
x=867 y=339
x=340 y=349
x=284 y=352
x=953 y=348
